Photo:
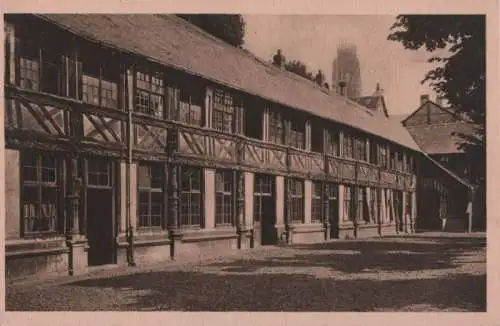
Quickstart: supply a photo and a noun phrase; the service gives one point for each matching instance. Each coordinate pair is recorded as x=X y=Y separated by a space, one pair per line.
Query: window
x=99 y=84
x=150 y=89
x=317 y=138
x=150 y=191
x=360 y=201
x=39 y=192
x=98 y=172
x=253 y=122
x=296 y=190
x=191 y=104
x=348 y=145
x=373 y=152
x=40 y=67
x=408 y=203
x=384 y=162
x=276 y=128
x=263 y=189
x=348 y=203
x=332 y=142
x=224 y=188
x=392 y=160
x=191 y=198
x=223 y=113
x=374 y=195
x=360 y=149
x=316 y=202
x=297 y=133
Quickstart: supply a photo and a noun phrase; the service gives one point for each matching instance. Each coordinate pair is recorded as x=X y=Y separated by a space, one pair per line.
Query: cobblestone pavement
x=414 y=273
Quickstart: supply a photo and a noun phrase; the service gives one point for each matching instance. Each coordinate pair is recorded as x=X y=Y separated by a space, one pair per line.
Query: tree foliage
x=458 y=45
x=229 y=28
x=299 y=68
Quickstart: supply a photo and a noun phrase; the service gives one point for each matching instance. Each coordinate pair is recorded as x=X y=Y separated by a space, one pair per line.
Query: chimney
x=424 y=98
x=279 y=60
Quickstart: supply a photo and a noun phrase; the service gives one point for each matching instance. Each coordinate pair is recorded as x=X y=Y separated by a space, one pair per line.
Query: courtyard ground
x=425 y=272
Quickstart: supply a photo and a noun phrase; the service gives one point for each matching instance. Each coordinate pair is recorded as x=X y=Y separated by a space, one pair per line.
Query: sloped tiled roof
x=173 y=42
x=440 y=138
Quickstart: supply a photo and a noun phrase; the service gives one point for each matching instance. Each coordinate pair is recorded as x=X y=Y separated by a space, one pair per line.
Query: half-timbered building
x=449 y=201
x=140 y=138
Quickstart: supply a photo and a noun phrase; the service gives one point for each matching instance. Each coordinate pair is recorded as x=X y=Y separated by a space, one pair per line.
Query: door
x=265 y=208
x=99 y=202
x=333 y=210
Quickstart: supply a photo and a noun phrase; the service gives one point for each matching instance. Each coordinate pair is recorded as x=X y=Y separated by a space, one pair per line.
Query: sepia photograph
x=234 y=162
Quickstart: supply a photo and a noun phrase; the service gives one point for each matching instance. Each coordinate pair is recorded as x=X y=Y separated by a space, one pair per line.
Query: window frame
x=189 y=93
x=186 y=195
x=224 y=198
x=42 y=49
x=151 y=89
x=260 y=192
x=158 y=191
x=224 y=106
x=276 y=127
x=40 y=185
x=297 y=201
x=317 y=202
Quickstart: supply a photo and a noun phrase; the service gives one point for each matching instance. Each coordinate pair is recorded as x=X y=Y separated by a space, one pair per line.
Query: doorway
x=99 y=210
x=265 y=208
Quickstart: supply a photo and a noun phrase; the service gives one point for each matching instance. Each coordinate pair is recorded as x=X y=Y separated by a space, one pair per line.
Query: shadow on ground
x=195 y=291
x=245 y=288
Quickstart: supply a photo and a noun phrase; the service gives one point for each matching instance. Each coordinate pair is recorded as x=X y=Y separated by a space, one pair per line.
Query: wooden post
x=173 y=218
x=240 y=207
x=288 y=203
x=129 y=225
x=326 y=209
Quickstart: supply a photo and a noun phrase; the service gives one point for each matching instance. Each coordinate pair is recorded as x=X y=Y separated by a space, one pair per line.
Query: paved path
x=415 y=273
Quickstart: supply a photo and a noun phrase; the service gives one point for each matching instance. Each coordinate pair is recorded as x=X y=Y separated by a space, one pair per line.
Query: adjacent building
x=139 y=138
x=439 y=130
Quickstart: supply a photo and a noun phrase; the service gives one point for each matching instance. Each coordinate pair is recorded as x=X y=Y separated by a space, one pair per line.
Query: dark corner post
x=129 y=225
x=74 y=242
x=288 y=204
x=326 y=204
x=174 y=233
x=240 y=208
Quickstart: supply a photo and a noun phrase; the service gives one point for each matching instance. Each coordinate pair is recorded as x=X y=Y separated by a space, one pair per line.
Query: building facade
x=437 y=130
x=139 y=138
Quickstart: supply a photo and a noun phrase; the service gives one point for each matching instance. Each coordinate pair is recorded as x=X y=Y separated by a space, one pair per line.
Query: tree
x=229 y=28
x=461 y=72
x=299 y=68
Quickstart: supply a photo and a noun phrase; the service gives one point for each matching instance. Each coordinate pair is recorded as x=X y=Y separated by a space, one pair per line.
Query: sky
x=313 y=39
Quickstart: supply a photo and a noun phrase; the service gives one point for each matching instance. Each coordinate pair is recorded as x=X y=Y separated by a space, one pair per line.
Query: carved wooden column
x=241 y=228
x=173 y=201
x=326 y=210
x=355 y=206
x=74 y=240
x=288 y=204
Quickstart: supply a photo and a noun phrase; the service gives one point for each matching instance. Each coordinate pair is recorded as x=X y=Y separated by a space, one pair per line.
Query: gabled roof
x=174 y=42
x=441 y=137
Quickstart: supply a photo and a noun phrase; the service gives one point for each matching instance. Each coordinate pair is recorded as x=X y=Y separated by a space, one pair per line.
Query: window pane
x=90 y=89
x=29 y=162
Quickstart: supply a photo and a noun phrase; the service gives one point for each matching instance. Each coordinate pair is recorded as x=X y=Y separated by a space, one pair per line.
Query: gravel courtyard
x=429 y=272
